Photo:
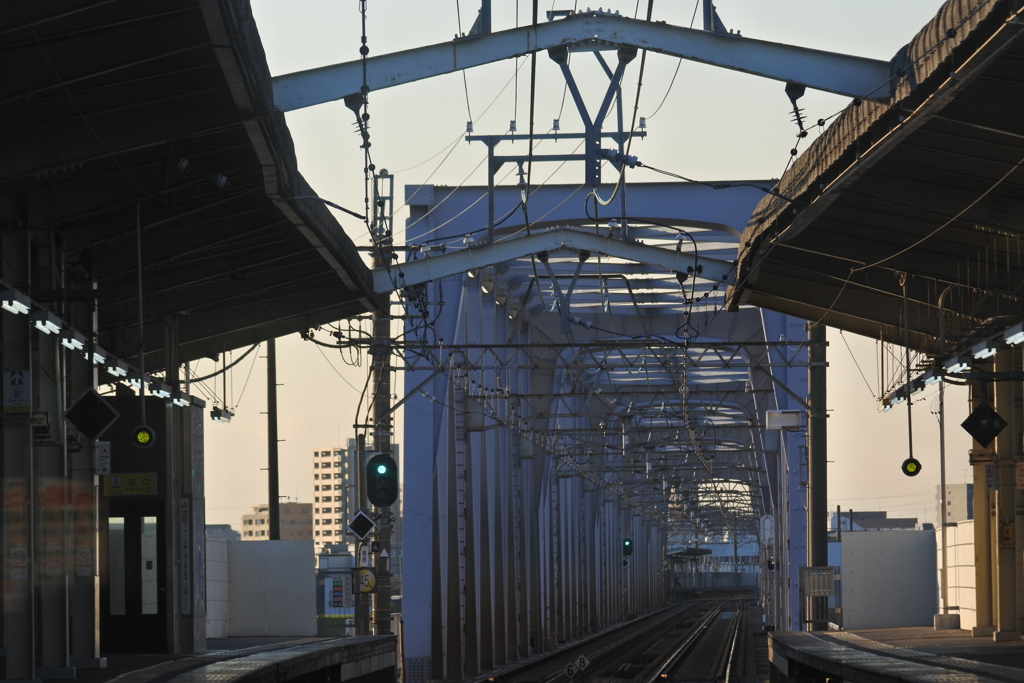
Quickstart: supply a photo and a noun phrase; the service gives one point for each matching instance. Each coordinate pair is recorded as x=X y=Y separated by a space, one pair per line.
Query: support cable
x=142 y=343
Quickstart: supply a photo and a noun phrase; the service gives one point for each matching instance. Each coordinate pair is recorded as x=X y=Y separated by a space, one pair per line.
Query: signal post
x=380 y=379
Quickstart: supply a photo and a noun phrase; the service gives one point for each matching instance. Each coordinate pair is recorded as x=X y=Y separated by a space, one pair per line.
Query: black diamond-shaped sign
x=984 y=424
x=91 y=415
x=361 y=525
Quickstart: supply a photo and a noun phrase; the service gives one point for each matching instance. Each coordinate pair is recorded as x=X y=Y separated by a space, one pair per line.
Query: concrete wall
x=260 y=588
x=217 y=587
x=889 y=579
x=960 y=557
x=272 y=588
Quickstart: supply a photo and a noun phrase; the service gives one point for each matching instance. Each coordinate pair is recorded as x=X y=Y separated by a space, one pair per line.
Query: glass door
x=133 y=579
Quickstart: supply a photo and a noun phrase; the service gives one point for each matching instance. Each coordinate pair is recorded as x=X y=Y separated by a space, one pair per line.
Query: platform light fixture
x=136 y=379
x=916 y=387
x=160 y=390
x=116 y=367
x=99 y=355
x=181 y=400
x=14 y=301
x=72 y=339
x=1014 y=335
x=221 y=415
x=985 y=349
x=956 y=365
x=46 y=322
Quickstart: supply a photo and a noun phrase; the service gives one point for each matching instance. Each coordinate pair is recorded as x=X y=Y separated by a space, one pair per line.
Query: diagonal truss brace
x=817 y=69
x=453 y=263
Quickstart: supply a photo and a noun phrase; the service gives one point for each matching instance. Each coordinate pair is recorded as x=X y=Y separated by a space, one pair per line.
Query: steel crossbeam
x=817 y=69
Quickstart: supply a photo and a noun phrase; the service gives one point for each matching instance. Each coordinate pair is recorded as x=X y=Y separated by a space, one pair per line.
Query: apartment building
x=335 y=495
x=296 y=522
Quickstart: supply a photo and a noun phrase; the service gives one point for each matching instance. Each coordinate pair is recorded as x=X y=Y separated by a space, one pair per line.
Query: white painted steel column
x=1007 y=447
x=983 y=530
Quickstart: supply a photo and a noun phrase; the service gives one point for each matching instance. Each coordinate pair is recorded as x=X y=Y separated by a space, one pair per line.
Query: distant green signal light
x=382 y=469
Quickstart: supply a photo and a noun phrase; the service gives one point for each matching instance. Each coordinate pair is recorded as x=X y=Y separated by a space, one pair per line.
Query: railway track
x=692 y=641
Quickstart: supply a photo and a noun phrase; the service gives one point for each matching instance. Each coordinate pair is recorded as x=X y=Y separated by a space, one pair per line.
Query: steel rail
x=658 y=619
x=737 y=622
x=675 y=656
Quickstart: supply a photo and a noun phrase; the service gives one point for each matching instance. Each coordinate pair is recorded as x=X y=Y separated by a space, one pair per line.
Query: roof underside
x=159 y=115
x=927 y=190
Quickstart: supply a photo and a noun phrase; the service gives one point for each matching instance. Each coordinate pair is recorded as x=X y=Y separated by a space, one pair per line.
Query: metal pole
x=491 y=170
x=362 y=601
x=142 y=337
x=1006 y=445
x=906 y=356
x=272 y=469
x=817 y=459
x=709 y=15
x=944 y=574
x=380 y=378
x=982 y=530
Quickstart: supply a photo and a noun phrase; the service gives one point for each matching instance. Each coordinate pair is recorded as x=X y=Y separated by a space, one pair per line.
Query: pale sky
x=713 y=125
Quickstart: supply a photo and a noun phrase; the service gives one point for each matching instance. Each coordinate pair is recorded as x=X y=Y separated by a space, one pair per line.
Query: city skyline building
x=296 y=522
x=959 y=503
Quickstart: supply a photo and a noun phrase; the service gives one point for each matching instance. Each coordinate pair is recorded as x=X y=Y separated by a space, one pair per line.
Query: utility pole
x=817 y=459
x=272 y=470
x=380 y=378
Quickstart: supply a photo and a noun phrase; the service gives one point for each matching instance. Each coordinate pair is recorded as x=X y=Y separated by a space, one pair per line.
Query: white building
x=959 y=504
x=335 y=494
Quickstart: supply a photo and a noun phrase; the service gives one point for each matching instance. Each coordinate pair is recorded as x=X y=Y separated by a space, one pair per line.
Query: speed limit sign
x=576 y=666
x=363 y=581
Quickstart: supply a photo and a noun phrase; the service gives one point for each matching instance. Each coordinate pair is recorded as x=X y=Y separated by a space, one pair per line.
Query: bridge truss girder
x=541 y=447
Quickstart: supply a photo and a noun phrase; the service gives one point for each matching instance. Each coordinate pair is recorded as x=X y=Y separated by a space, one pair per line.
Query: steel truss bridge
x=593 y=373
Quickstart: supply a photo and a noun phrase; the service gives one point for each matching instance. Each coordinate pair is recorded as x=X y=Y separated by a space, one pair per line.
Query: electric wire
x=425 y=182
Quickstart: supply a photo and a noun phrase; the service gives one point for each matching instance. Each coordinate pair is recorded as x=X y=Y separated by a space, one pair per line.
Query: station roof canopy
x=926 y=190
x=119 y=115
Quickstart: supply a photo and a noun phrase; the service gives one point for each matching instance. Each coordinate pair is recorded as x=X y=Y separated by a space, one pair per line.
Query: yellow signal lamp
x=143 y=436
x=911 y=467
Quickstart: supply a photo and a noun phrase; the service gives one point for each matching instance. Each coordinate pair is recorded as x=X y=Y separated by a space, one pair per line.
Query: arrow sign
x=384 y=553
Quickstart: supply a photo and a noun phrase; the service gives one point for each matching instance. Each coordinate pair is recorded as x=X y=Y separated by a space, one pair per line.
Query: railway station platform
x=363 y=659
x=907 y=655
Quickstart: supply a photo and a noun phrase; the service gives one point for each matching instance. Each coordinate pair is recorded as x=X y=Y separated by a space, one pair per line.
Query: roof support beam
x=817 y=69
x=454 y=263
